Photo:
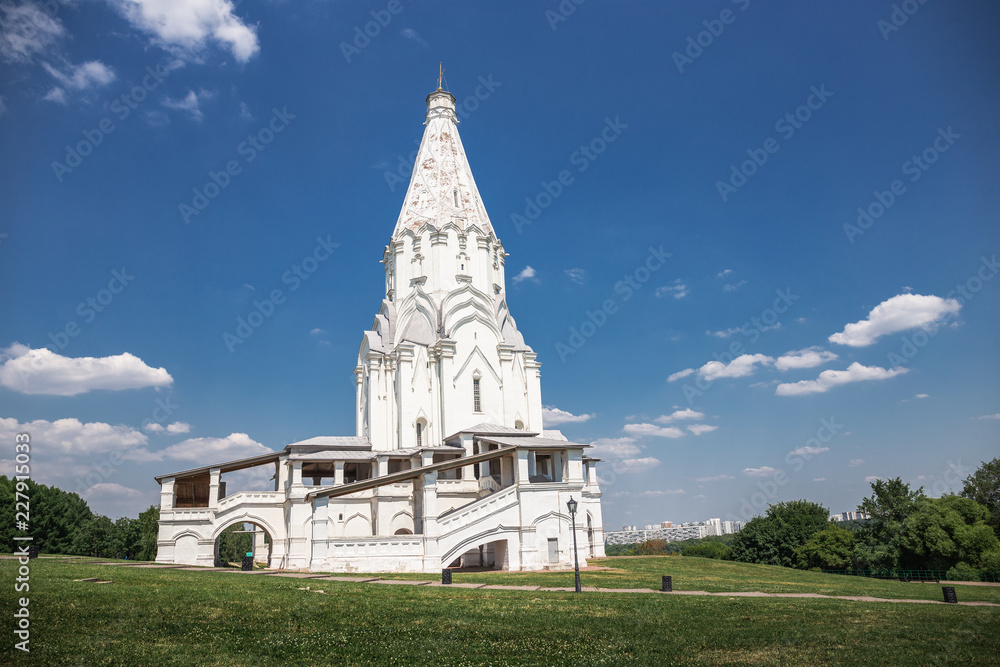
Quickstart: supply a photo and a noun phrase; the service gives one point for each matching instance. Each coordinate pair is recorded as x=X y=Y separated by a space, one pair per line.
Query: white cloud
x=614 y=448
x=854 y=463
x=413 y=35
x=553 y=416
x=741 y=366
x=763 y=471
x=686 y=413
x=819 y=479
x=191 y=104
x=680 y=374
x=577 y=275
x=900 y=313
x=628 y=466
x=91 y=74
x=676 y=289
x=827 y=380
x=73 y=437
x=317 y=331
x=807 y=358
x=245 y=111
x=808 y=450
x=214 y=450
x=725 y=273
x=154 y=427
x=26 y=31
x=698 y=429
x=179 y=427
x=3 y=106
x=110 y=491
x=44 y=372
x=642 y=430
x=57 y=95
x=527 y=273
x=185 y=27
x=735 y=286
x=872 y=478
x=922 y=396
x=714 y=478
x=663 y=492
x=996 y=416
x=724 y=333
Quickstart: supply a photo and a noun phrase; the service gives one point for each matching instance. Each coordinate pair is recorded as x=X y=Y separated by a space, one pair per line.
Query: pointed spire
x=442 y=188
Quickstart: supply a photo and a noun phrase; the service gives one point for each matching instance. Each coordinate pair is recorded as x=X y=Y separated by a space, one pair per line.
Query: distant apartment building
x=850 y=516
x=670 y=532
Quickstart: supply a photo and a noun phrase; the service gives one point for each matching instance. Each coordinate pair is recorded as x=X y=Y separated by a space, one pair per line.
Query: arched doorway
x=242 y=538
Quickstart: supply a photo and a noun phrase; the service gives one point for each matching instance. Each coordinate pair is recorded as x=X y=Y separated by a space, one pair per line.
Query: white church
x=450 y=465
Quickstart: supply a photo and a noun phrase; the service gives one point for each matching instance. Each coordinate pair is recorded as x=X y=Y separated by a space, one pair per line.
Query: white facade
x=447 y=466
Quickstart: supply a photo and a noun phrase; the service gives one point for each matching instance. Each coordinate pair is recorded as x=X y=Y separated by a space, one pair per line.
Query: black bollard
x=668 y=584
x=446 y=577
x=949 y=594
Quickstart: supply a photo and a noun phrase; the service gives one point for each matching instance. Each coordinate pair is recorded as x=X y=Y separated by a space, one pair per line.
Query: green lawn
x=170 y=617
x=704 y=574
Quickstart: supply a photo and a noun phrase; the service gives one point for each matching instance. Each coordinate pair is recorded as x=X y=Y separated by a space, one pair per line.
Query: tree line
x=63 y=523
x=906 y=530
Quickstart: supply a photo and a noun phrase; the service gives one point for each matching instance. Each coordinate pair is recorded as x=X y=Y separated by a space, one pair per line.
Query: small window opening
x=476 y=403
x=455 y=193
x=420 y=434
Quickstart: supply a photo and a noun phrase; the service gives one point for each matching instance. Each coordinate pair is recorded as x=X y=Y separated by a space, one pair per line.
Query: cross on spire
x=440 y=74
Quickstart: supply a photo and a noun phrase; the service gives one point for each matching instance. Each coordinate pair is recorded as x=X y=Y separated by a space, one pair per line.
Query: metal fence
x=920 y=575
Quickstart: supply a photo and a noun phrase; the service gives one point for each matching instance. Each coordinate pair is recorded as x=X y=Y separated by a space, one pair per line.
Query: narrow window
x=420 y=434
x=455 y=193
x=476 y=404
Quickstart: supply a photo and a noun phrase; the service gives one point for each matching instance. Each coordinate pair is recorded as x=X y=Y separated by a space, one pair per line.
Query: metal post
x=576 y=557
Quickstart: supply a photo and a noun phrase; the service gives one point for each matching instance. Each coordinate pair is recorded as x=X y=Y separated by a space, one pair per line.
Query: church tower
x=444 y=353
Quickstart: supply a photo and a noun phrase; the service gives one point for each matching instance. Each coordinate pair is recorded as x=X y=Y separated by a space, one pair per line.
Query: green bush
x=989 y=562
x=962 y=572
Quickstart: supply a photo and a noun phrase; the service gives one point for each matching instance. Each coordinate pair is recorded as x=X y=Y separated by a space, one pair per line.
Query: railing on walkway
x=919 y=575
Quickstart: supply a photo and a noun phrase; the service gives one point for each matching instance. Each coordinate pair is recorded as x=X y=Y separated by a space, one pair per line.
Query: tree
x=878 y=541
x=148 y=526
x=830 y=549
x=708 y=549
x=774 y=537
x=943 y=532
x=983 y=486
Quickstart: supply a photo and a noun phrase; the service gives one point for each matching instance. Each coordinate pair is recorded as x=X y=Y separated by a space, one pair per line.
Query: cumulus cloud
x=808 y=450
x=642 y=430
x=827 y=380
x=686 y=413
x=614 y=448
x=807 y=358
x=819 y=479
x=42 y=371
x=900 y=313
x=91 y=74
x=725 y=273
x=724 y=333
x=73 y=437
x=663 y=492
x=527 y=273
x=854 y=463
x=996 y=416
x=110 y=491
x=553 y=416
x=922 y=396
x=698 y=429
x=680 y=374
x=763 y=471
x=214 y=450
x=186 y=27
x=871 y=479
x=178 y=427
x=676 y=289
x=26 y=31
x=577 y=275
x=714 y=478
x=741 y=366
x=734 y=286
x=631 y=466
x=191 y=104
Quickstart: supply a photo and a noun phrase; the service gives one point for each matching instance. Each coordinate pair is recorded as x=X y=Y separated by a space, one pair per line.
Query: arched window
x=519 y=425
x=420 y=434
x=477 y=405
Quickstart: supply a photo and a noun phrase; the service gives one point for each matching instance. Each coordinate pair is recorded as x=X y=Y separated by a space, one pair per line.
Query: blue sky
x=161 y=173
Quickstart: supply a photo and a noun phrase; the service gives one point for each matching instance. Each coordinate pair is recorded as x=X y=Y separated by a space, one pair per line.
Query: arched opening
x=421 y=428
x=488 y=556
x=519 y=425
x=243 y=538
x=403 y=531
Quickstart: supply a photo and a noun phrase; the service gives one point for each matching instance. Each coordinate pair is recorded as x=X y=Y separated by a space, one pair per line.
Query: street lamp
x=576 y=560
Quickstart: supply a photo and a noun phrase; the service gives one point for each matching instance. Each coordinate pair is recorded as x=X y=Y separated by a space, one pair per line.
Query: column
x=338 y=473
x=213 y=487
x=167 y=495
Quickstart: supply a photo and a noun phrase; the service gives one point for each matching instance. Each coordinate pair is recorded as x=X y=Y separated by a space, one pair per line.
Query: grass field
x=171 y=617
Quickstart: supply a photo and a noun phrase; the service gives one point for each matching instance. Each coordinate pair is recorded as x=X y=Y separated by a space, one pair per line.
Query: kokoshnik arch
x=450 y=464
